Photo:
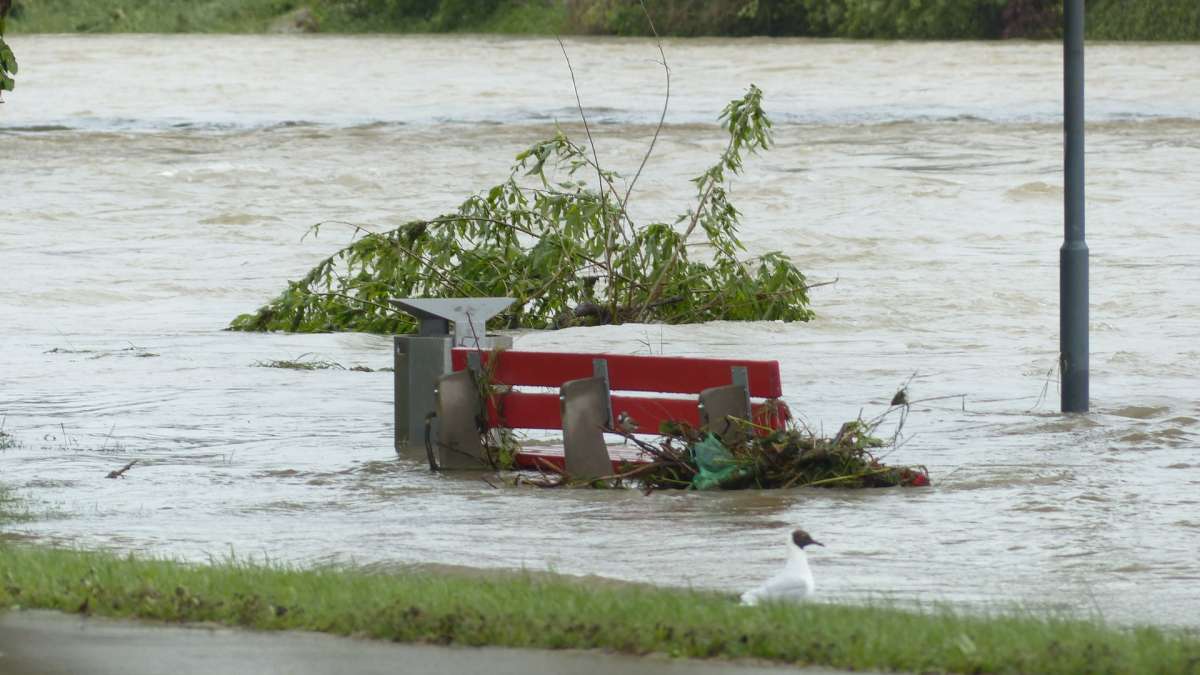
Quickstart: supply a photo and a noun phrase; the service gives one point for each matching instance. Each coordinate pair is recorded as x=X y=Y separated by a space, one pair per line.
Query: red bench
x=608 y=390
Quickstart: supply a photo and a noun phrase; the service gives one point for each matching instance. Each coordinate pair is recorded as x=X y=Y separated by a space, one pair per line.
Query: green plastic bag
x=716 y=465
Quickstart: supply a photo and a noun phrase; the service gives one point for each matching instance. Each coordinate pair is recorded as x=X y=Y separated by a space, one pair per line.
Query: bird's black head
x=801 y=538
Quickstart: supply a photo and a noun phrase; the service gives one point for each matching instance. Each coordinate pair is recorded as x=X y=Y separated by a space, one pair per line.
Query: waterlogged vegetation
x=567 y=250
x=782 y=459
x=874 y=19
x=310 y=362
x=543 y=611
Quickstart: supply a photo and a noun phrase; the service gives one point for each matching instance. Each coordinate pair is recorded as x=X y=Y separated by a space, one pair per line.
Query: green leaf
x=7 y=60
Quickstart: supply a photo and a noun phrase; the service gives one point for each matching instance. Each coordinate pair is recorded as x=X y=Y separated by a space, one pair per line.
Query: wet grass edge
x=545 y=611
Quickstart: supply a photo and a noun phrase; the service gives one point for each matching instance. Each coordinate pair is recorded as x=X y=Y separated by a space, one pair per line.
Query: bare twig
x=808 y=287
x=642 y=445
x=963 y=397
x=315 y=230
x=106 y=438
x=1045 y=388
x=608 y=234
x=579 y=103
x=662 y=118
x=351 y=298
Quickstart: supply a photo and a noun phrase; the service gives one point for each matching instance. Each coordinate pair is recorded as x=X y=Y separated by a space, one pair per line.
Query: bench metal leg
x=586 y=412
x=718 y=404
x=458 y=445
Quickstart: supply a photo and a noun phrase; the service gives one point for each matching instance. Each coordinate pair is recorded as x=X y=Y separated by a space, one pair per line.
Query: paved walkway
x=49 y=643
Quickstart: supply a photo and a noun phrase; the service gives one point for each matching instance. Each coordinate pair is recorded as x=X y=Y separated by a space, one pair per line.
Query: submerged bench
x=597 y=393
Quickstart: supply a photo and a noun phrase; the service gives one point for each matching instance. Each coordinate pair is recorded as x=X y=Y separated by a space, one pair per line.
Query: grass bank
x=1177 y=20
x=524 y=610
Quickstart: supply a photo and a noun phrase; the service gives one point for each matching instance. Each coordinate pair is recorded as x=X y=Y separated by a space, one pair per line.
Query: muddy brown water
x=155 y=187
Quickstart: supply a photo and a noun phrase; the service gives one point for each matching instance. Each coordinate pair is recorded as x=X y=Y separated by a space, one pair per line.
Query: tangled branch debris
x=685 y=457
x=691 y=458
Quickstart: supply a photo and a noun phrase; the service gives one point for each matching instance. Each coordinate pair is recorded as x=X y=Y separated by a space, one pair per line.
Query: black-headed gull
x=794 y=582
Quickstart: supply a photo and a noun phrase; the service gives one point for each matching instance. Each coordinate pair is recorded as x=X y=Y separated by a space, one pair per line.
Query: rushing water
x=154 y=187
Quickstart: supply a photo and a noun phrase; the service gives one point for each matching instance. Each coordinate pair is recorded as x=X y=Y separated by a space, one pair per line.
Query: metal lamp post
x=1073 y=256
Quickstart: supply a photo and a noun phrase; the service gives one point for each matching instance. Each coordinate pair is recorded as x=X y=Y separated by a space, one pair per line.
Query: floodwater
x=155 y=187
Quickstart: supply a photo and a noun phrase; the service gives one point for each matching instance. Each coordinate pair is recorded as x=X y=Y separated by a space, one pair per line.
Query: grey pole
x=1073 y=256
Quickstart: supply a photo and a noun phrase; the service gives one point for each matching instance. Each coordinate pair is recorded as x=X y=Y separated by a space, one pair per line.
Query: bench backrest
x=662 y=374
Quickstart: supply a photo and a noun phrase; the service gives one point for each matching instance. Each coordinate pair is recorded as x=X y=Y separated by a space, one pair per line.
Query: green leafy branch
x=568 y=251
x=8 y=61
x=557 y=236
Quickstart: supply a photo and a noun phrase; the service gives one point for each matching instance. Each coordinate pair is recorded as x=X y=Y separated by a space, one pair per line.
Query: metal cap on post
x=469 y=316
x=1073 y=256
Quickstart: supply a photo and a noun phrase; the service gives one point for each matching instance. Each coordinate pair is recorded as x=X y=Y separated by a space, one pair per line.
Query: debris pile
x=750 y=457
x=692 y=458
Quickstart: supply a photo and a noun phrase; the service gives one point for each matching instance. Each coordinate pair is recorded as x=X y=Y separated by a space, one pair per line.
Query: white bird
x=794 y=582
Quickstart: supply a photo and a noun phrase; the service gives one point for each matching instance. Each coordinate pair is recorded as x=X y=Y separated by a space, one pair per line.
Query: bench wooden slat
x=523 y=410
x=668 y=374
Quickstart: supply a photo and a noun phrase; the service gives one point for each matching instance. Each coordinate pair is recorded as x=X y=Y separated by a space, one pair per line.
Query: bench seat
x=637 y=394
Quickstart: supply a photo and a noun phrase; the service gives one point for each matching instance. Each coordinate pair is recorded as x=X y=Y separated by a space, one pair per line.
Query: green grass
x=524 y=610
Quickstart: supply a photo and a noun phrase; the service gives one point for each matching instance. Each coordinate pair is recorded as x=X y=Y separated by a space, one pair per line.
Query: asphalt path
x=37 y=642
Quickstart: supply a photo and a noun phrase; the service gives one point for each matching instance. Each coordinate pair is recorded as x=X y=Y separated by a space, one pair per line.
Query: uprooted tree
x=569 y=252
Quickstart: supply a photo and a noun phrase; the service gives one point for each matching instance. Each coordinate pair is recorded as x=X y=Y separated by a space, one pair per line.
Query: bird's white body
x=792 y=584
